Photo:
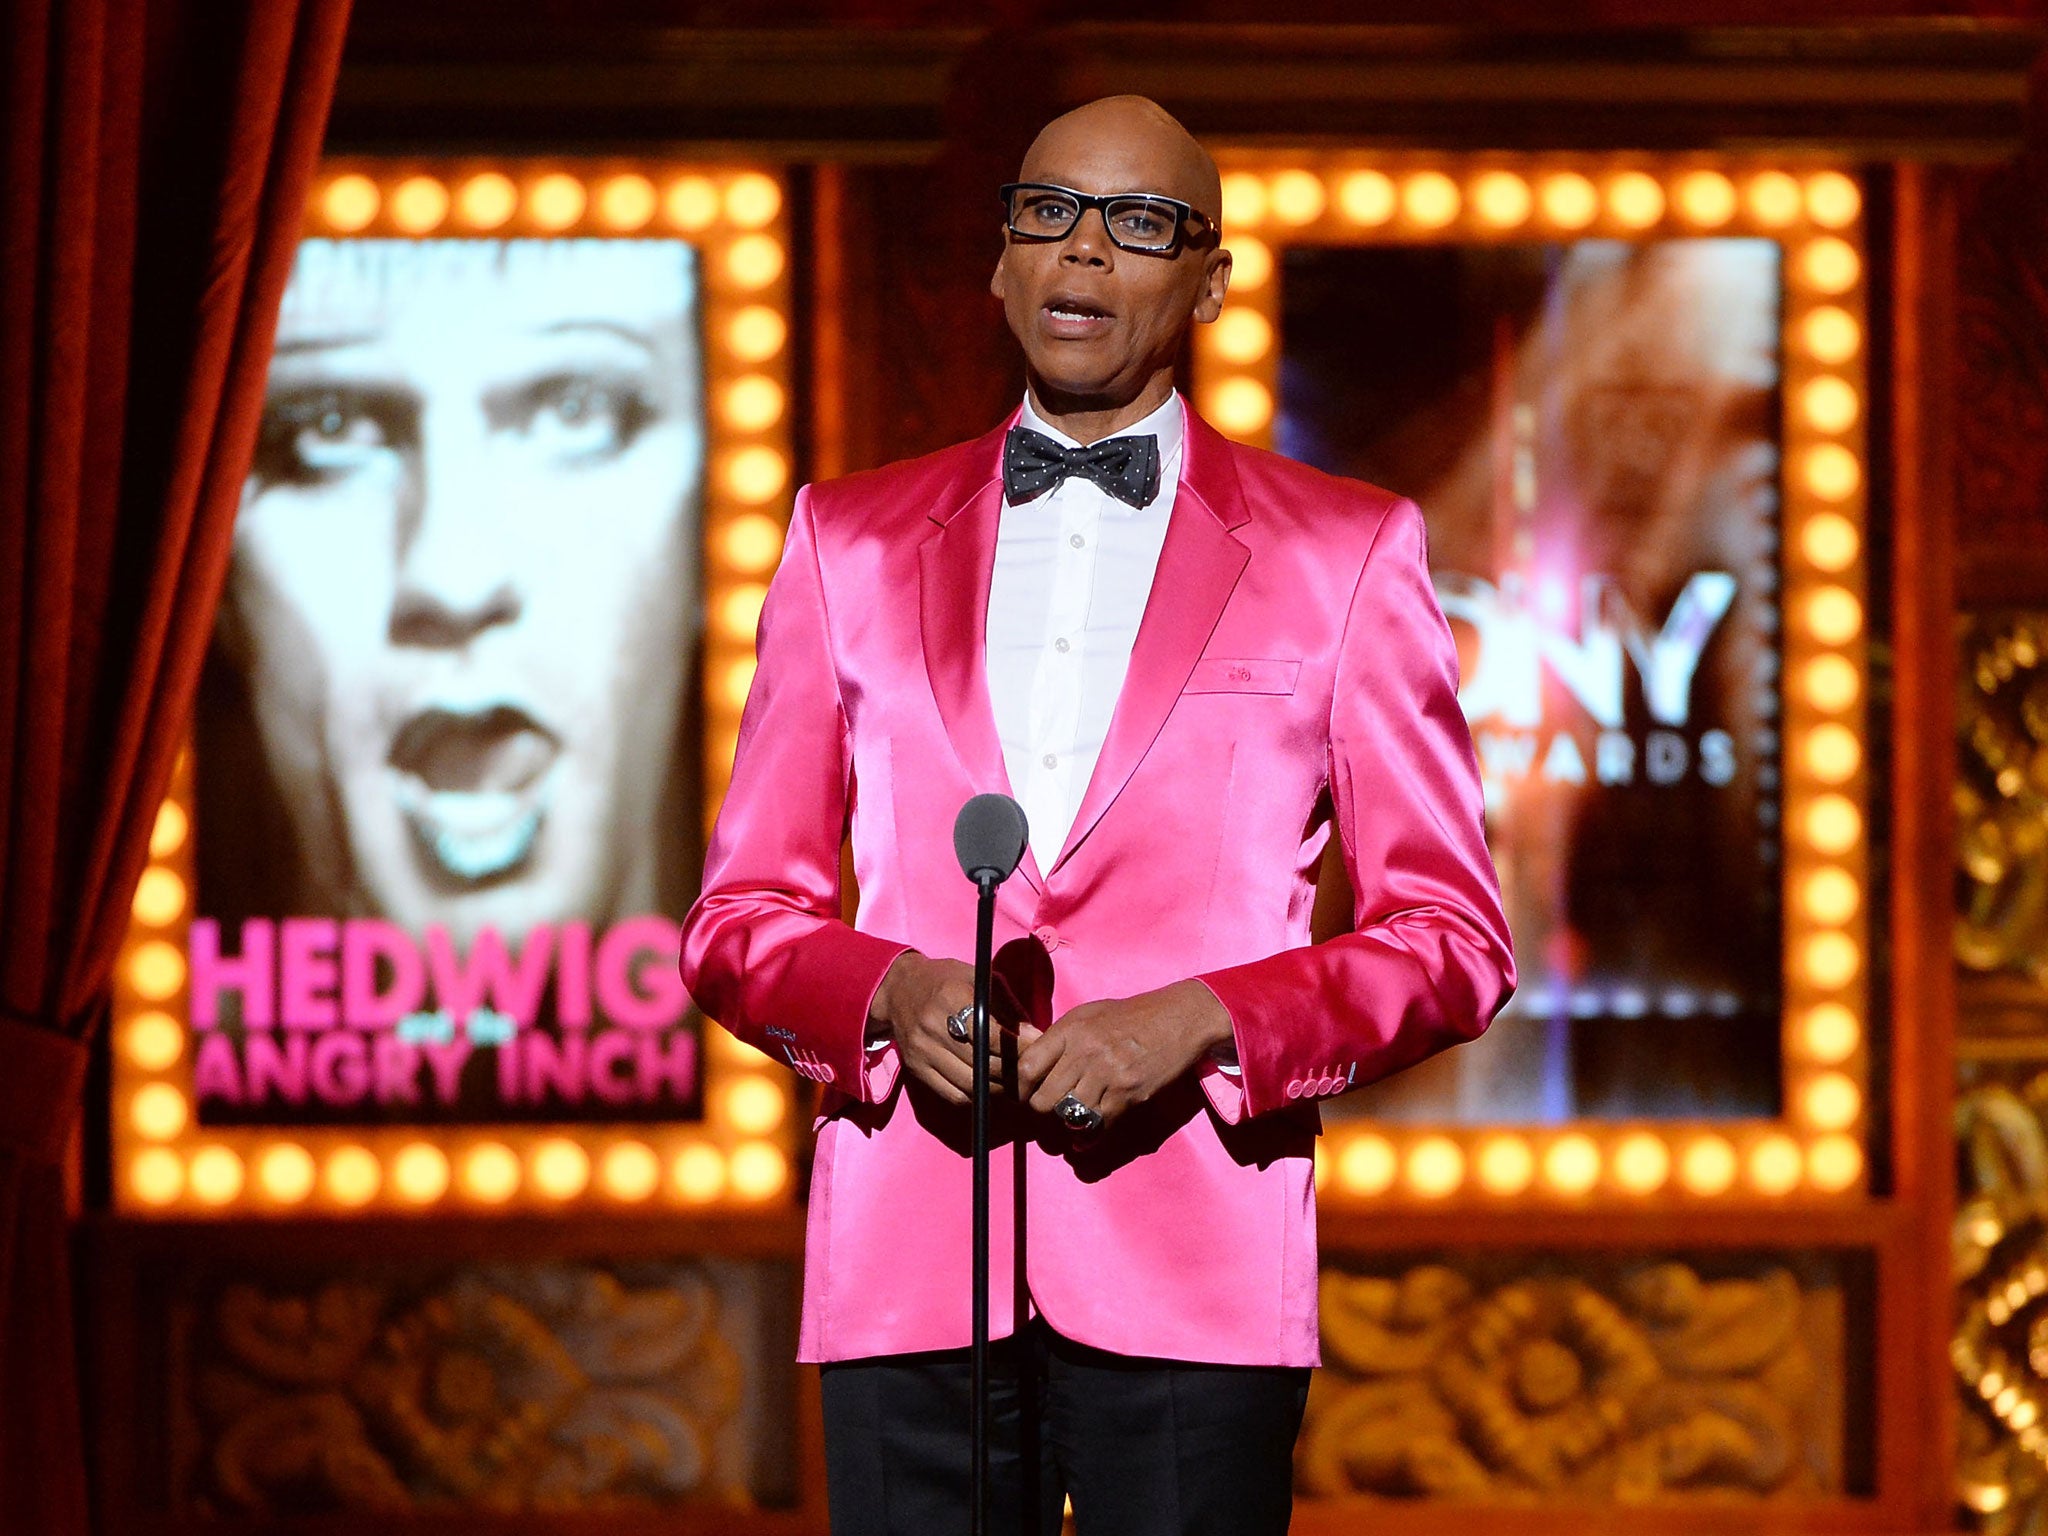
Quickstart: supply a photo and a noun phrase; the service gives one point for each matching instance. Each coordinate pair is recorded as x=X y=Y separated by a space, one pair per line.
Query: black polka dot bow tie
x=1126 y=467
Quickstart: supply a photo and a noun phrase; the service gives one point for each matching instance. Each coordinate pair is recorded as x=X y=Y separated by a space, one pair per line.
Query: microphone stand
x=984 y=960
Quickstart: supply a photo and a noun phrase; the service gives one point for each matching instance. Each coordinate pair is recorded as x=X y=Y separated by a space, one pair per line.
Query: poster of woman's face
x=453 y=670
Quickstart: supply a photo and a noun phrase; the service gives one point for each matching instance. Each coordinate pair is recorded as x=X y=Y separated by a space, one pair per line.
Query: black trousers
x=1143 y=1447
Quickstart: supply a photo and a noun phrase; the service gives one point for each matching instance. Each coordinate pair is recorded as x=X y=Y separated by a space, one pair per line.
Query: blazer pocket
x=1233 y=674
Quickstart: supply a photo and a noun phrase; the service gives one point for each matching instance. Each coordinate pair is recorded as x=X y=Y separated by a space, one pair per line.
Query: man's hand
x=1114 y=1054
x=913 y=1002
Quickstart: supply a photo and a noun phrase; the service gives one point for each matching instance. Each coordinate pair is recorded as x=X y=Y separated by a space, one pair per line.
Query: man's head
x=1101 y=325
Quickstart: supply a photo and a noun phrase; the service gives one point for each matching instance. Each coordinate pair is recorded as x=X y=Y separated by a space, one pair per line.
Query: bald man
x=1193 y=663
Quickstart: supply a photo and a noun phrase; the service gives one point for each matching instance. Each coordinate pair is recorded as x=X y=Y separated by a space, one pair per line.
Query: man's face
x=1098 y=322
x=464 y=585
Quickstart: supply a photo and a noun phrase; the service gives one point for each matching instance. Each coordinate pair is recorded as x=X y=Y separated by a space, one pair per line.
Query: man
x=1193 y=663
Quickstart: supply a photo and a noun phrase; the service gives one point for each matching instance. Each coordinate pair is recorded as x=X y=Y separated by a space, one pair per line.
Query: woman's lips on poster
x=473 y=785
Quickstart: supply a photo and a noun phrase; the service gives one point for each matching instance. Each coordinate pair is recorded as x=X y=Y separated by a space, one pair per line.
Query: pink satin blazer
x=1293 y=678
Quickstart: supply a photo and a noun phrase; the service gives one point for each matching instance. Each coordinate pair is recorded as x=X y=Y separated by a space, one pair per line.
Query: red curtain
x=157 y=157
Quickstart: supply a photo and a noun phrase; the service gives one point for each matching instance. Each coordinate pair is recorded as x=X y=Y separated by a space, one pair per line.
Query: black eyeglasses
x=1136 y=221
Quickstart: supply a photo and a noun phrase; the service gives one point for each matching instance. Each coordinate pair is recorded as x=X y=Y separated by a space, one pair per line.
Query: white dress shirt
x=1073 y=569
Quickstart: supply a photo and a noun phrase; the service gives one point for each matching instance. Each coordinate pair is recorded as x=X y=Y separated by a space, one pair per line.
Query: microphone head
x=989 y=835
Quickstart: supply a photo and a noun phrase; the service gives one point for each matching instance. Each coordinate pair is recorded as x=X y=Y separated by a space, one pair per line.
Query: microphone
x=989 y=836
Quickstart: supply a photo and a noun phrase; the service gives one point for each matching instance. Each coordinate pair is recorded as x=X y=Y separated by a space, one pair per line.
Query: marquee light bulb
x=1571 y=1165
x=1775 y=1165
x=1830 y=896
x=167 y=834
x=159 y=897
x=1830 y=542
x=158 y=1111
x=285 y=1172
x=756 y=334
x=1505 y=1165
x=690 y=204
x=349 y=203
x=1569 y=200
x=156 y=970
x=740 y=614
x=1707 y=1166
x=629 y=1170
x=154 y=1041
x=753 y=403
x=1830 y=404
x=1635 y=200
x=1367 y=198
x=1774 y=199
x=1832 y=753
x=754 y=261
x=490 y=1172
x=1834 y=1163
x=1833 y=825
x=353 y=1175
x=1296 y=197
x=1829 y=265
x=1830 y=683
x=1833 y=473
x=1241 y=406
x=698 y=1173
x=752 y=200
x=1706 y=199
x=626 y=203
x=757 y=1170
x=1831 y=335
x=1436 y=1167
x=1832 y=1102
x=1501 y=199
x=736 y=682
x=561 y=1168
x=752 y=543
x=419 y=1173
x=1430 y=199
x=1833 y=616
x=1251 y=263
x=157 y=1176
x=754 y=1105
x=1832 y=200
x=1829 y=1034
x=1241 y=335
x=1244 y=201
x=215 y=1175
x=418 y=205
x=1830 y=960
x=1642 y=1163
x=1367 y=1165
x=555 y=201
x=756 y=475
x=486 y=201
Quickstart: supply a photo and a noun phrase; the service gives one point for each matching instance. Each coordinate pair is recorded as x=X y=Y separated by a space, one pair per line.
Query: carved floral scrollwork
x=557 y=1386
x=2002 y=796
x=1651 y=1383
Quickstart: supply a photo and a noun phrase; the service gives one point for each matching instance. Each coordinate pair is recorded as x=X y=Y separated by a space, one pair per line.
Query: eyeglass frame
x=1099 y=202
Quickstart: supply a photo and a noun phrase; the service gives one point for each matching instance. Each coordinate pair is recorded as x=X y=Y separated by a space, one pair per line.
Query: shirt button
x=1077 y=541
x=1046 y=934
x=1050 y=761
x=1061 y=645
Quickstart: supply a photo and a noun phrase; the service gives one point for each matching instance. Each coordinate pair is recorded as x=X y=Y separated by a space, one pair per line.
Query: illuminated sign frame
x=1816 y=1150
x=740 y=1156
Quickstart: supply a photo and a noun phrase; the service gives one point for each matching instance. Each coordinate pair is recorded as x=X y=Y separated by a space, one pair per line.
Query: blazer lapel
x=1199 y=566
x=957 y=560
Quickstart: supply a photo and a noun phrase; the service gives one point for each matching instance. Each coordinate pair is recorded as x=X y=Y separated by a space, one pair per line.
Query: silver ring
x=1078 y=1116
x=960 y=1024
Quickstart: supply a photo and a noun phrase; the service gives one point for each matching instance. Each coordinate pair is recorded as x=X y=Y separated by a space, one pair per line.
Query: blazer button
x=826 y=1073
x=1294 y=1089
x=1046 y=934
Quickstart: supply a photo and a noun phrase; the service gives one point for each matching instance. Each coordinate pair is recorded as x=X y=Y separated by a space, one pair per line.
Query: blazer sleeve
x=1429 y=962
x=764 y=949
